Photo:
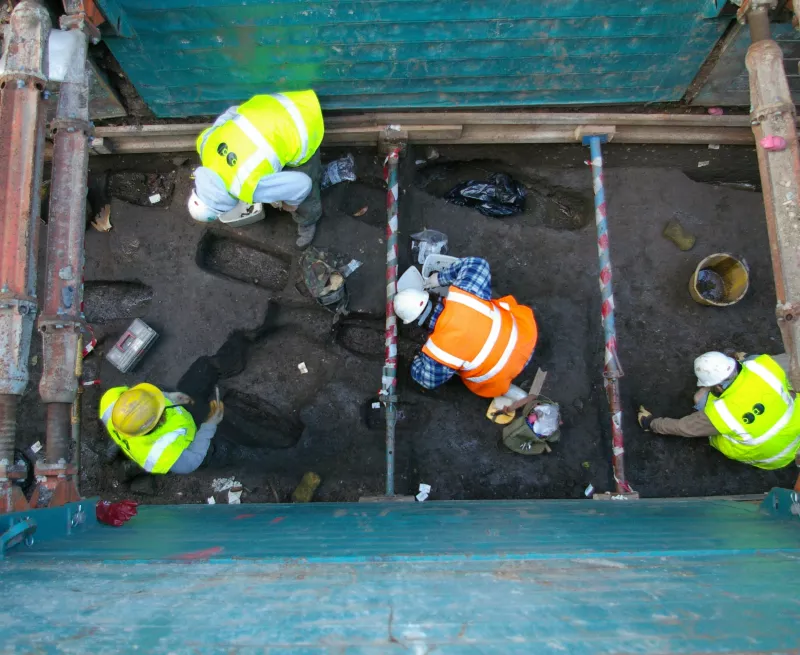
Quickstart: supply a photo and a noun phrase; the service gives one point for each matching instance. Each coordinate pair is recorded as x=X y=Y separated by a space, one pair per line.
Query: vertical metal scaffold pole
x=612 y=370
x=389 y=377
x=22 y=118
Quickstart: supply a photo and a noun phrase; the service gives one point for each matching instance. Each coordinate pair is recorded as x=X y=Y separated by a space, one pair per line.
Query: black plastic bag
x=499 y=197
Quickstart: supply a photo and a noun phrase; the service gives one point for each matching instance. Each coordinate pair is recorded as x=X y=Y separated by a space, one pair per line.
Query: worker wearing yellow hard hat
x=154 y=430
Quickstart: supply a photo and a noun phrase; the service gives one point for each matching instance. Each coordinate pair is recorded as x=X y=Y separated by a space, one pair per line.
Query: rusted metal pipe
x=61 y=323
x=22 y=111
x=773 y=114
x=59 y=431
x=758 y=23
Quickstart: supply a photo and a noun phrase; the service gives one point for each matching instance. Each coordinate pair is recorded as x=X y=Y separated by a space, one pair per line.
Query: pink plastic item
x=773 y=143
x=716 y=111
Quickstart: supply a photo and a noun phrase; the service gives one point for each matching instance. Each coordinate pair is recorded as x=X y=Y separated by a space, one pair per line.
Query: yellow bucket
x=719 y=280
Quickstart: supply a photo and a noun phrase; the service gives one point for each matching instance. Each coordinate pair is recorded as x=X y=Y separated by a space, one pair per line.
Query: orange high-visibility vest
x=488 y=342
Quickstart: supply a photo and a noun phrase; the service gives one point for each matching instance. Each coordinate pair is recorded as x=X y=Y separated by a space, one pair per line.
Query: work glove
x=216 y=409
x=700 y=395
x=432 y=282
x=738 y=355
x=645 y=418
x=178 y=398
x=115 y=514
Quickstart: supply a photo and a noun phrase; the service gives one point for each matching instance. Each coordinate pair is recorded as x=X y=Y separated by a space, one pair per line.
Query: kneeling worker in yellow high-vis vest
x=244 y=152
x=747 y=408
x=154 y=431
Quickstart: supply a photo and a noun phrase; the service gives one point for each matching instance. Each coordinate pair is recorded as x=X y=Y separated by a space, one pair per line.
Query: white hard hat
x=410 y=303
x=713 y=368
x=199 y=210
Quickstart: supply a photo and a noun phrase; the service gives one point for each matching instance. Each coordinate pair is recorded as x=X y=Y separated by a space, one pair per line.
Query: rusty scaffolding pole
x=61 y=324
x=773 y=114
x=22 y=115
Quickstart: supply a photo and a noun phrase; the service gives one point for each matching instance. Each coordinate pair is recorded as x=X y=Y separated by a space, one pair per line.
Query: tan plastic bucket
x=720 y=280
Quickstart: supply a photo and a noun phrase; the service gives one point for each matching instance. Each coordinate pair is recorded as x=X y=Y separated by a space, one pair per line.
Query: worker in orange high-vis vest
x=486 y=342
x=244 y=154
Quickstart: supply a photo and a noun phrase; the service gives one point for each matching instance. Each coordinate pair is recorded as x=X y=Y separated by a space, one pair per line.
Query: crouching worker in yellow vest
x=154 y=431
x=746 y=408
x=244 y=152
x=486 y=342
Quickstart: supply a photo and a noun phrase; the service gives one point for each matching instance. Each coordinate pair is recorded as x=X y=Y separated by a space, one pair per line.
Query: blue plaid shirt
x=470 y=274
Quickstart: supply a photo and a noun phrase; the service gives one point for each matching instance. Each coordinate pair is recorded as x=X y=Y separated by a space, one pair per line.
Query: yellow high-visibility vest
x=267 y=133
x=155 y=451
x=757 y=417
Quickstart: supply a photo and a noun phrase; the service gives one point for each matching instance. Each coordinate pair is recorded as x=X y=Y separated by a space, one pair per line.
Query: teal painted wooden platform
x=198 y=57
x=693 y=576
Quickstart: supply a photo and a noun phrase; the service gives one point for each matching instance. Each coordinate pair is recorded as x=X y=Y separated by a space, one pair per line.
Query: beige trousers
x=693 y=425
x=698 y=424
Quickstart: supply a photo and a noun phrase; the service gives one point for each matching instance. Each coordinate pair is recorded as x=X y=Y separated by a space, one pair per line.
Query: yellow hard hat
x=138 y=410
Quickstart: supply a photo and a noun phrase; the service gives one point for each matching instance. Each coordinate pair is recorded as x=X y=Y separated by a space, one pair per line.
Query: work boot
x=305 y=235
x=113 y=451
x=127 y=470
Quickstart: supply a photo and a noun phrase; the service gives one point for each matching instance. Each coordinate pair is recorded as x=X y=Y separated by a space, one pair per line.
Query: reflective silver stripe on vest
x=791 y=447
x=299 y=123
x=264 y=152
x=769 y=378
x=444 y=356
x=463 y=299
x=732 y=423
x=512 y=343
x=106 y=417
x=497 y=322
x=747 y=439
x=203 y=144
x=494 y=333
x=158 y=448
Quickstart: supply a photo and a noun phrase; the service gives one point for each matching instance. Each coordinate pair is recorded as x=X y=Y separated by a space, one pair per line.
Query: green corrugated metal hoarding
x=198 y=57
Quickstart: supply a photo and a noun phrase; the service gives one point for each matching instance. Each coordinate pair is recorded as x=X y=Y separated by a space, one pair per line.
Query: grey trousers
x=310 y=210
